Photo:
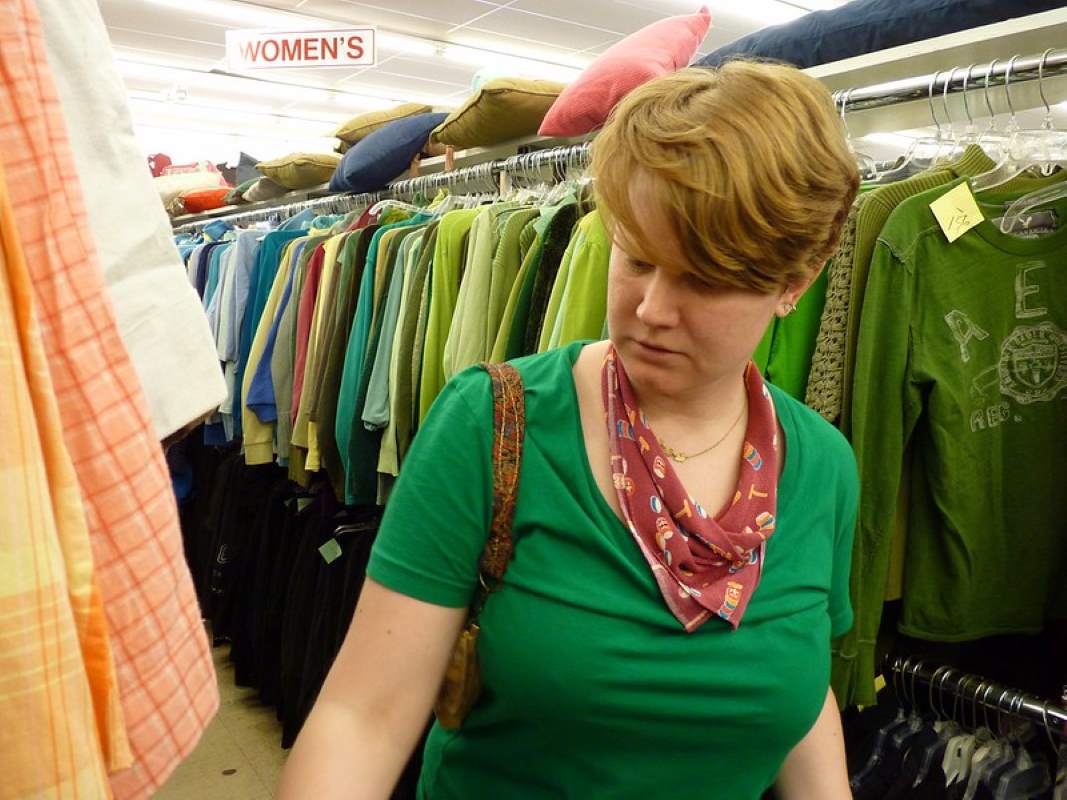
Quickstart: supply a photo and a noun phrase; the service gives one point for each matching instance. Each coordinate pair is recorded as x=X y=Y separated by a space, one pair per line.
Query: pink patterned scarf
x=704 y=566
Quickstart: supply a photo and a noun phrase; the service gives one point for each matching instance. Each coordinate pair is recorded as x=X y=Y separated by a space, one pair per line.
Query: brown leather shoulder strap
x=509 y=429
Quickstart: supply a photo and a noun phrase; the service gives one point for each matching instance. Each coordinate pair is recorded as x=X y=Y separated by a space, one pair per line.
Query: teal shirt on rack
x=352 y=437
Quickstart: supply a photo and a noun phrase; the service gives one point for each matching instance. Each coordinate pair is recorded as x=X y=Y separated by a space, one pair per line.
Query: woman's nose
x=659 y=303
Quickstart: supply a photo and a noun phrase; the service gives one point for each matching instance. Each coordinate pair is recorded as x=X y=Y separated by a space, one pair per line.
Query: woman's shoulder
x=825 y=449
x=547 y=372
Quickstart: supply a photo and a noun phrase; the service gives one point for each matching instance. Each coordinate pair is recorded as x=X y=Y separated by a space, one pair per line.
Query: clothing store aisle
x=240 y=755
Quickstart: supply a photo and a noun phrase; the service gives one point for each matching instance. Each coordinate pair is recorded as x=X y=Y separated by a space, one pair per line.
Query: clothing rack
x=976 y=692
x=487 y=175
x=1007 y=72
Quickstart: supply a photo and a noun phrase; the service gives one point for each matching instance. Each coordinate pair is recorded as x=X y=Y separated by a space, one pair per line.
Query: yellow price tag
x=957 y=211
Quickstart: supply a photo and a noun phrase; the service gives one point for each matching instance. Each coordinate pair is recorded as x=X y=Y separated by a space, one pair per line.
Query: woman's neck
x=709 y=405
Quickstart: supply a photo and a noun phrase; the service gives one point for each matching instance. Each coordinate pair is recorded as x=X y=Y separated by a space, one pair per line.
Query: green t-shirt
x=963 y=356
x=784 y=354
x=591 y=686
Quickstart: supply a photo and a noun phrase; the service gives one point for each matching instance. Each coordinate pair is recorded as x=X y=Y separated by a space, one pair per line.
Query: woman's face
x=675 y=335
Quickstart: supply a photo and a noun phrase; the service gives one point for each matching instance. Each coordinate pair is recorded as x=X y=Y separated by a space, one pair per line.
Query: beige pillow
x=502 y=109
x=358 y=127
x=264 y=189
x=300 y=170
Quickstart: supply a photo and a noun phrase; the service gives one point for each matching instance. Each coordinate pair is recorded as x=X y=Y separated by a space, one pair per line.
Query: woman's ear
x=793 y=291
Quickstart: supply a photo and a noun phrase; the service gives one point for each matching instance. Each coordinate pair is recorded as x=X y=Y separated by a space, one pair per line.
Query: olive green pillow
x=264 y=189
x=300 y=170
x=236 y=195
x=502 y=109
x=358 y=127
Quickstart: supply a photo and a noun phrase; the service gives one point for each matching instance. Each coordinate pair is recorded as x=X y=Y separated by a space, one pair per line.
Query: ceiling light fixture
x=526 y=67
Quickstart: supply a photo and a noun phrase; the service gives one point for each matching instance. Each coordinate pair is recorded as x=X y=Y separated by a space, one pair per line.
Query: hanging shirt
x=466 y=343
x=260 y=399
x=622 y=701
x=376 y=411
x=358 y=448
x=784 y=354
x=353 y=261
x=448 y=259
x=577 y=307
x=963 y=354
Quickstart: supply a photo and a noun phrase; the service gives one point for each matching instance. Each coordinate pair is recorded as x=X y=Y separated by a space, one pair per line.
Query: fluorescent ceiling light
x=406 y=44
x=244 y=14
x=151 y=102
x=250 y=86
x=462 y=54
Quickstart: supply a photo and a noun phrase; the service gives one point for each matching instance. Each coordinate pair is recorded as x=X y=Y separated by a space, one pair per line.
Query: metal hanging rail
x=485 y=174
x=976 y=691
x=1016 y=69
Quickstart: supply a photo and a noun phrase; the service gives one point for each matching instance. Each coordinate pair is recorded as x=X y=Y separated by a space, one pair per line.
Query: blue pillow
x=380 y=157
x=865 y=26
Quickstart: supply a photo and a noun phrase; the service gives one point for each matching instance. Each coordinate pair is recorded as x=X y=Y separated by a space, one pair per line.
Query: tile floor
x=240 y=755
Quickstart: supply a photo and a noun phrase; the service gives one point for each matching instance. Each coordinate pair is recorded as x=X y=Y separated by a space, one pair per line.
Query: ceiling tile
x=545 y=32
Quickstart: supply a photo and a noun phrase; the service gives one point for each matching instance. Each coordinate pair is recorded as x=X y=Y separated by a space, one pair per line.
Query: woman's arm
x=815 y=769
x=375 y=701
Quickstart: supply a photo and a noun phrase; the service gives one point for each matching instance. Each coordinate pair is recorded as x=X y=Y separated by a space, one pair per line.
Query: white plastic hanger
x=1045 y=147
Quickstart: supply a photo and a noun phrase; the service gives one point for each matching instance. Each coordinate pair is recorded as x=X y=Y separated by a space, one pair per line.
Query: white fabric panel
x=159 y=314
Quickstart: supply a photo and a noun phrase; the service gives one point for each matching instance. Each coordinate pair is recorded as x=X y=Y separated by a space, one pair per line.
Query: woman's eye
x=640 y=266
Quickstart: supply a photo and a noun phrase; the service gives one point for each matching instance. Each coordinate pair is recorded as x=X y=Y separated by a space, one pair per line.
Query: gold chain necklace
x=680 y=458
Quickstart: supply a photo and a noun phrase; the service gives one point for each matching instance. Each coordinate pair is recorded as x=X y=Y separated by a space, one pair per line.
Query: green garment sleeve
x=466 y=343
x=555 y=299
x=886 y=406
x=508 y=344
x=507 y=263
x=448 y=259
x=793 y=343
x=583 y=307
x=438 y=516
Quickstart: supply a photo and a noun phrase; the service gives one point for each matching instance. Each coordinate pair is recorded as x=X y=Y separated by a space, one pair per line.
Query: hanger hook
x=1007 y=86
x=1041 y=87
x=914 y=677
x=930 y=100
x=845 y=97
x=988 y=102
x=985 y=705
x=930 y=697
x=1048 y=728
x=944 y=98
x=966 y=104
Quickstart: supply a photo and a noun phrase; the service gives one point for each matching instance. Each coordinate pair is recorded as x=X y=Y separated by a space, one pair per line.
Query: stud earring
x=789 y=309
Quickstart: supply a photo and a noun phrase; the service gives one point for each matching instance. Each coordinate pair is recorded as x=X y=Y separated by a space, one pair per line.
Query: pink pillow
x=661 y=48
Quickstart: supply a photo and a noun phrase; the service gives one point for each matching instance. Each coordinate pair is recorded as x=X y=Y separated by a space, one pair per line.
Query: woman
x=639 y=647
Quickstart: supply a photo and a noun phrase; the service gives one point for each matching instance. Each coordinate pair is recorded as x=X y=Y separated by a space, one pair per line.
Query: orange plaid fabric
x=57 y=676
x=166 y=679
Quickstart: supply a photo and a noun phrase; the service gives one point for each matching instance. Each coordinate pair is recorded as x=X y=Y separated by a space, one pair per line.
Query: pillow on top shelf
x=264 y=189
x=200 y=200
x=658 y=49
x=502 y=109
x=866 y=26
x=300 y=170
x=384 y=154
x=365 y=124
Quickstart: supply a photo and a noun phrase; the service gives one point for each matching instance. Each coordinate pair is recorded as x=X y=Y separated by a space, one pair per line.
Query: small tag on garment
x=331 y=551
x=1033 y=225
x=957 y=211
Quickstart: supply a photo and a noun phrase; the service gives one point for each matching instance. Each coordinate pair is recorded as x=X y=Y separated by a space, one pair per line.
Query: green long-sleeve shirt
x=963 y=356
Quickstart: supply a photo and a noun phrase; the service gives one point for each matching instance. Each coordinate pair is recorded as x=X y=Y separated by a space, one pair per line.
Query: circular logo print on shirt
x=1033 y=363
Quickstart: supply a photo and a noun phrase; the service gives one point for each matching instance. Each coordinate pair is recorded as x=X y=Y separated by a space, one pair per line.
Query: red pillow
x=661 y=48
x=200 y=200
